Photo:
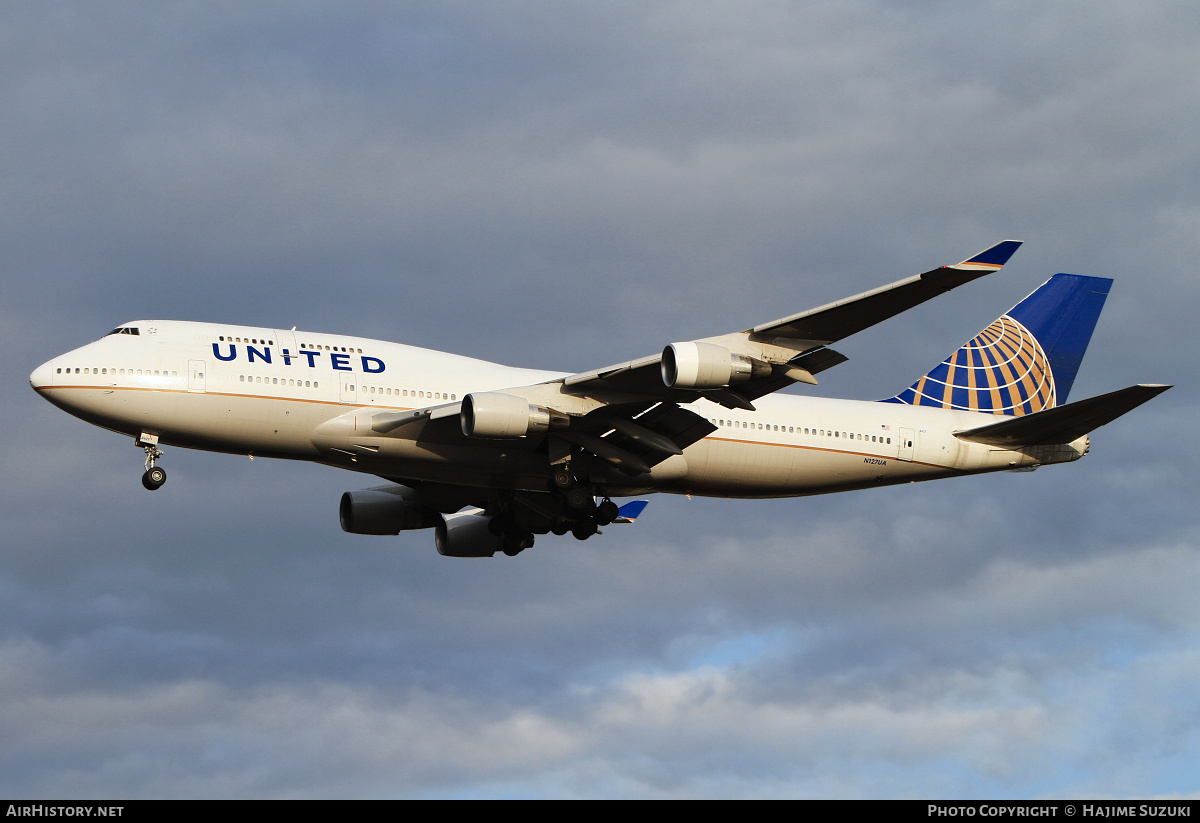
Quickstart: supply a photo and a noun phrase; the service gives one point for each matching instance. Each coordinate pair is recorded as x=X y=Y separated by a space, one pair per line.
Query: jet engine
x=494 y=414
x=370 y=511
x=466 y=535
x=707 y=366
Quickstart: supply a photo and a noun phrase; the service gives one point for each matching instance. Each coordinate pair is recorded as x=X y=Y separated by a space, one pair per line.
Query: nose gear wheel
x=154 y=476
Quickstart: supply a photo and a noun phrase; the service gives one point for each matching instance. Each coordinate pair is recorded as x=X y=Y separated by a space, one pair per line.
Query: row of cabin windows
x=330 y=348
x=143 y=372
x=254 y=340
x=279 y=381
x=870 y=438
x=257 y=341
x=425 y=395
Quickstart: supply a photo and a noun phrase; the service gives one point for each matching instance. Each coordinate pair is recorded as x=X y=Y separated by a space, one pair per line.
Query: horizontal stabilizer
x=630 y=511
x=1062 y=424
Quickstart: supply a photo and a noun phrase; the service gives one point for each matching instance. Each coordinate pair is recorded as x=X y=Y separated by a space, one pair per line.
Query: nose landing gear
x=154 y=476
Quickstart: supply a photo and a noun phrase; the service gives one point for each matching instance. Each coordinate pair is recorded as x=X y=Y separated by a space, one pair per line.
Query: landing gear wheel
x=502 y=524
x=562 y=479
x=584 y=529
x=607 y=512
x=577 y=497
x=514 y=544
x=153 y=478
x=561 y=524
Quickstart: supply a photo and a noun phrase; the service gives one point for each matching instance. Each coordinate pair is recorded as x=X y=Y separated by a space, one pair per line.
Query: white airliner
x=489 y=455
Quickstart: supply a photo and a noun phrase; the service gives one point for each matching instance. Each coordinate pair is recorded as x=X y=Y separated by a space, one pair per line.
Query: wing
x=773 y=355
x=623 y=421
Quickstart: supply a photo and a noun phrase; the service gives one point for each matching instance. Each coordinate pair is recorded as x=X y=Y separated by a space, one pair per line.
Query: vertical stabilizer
x=1026 y=360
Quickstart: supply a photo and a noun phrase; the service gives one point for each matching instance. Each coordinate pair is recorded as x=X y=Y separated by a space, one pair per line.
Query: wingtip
x=993 y=257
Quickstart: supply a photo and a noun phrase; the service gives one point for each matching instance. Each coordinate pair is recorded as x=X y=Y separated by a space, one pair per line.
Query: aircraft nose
x=42 y=376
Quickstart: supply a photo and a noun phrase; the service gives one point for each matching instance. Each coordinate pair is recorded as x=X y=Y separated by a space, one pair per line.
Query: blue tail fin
x=1024 y=362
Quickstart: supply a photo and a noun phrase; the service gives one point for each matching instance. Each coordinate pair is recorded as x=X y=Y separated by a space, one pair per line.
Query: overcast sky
x=565 y=185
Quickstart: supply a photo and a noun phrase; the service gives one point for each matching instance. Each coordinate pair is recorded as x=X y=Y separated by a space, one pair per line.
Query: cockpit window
x=125 y=330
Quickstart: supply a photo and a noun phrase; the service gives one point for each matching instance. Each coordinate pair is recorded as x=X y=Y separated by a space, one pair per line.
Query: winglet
x=630 y=511
x=991 y=259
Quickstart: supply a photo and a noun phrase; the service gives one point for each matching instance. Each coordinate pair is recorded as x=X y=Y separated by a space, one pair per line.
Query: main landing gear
x=154 y=476
x=582 y=516
x=514 y=539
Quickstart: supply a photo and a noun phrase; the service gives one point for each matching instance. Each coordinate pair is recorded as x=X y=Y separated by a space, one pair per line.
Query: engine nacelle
x=375 y=512
x=466 y=535
x=494 y=414
x=695 y=365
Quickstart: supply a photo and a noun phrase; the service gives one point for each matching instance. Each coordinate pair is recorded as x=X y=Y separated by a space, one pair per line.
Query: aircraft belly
x=199 y=420
x=741 y=469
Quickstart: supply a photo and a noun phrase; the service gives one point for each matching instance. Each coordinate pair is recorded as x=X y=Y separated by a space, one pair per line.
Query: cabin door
x=348 y=391
x=908 y=442
x=196 y=375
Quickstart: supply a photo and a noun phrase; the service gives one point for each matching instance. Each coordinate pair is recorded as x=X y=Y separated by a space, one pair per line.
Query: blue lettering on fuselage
x=341 y=362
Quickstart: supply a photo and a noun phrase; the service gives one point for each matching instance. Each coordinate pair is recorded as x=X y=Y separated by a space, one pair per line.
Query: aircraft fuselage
x=307 y=396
